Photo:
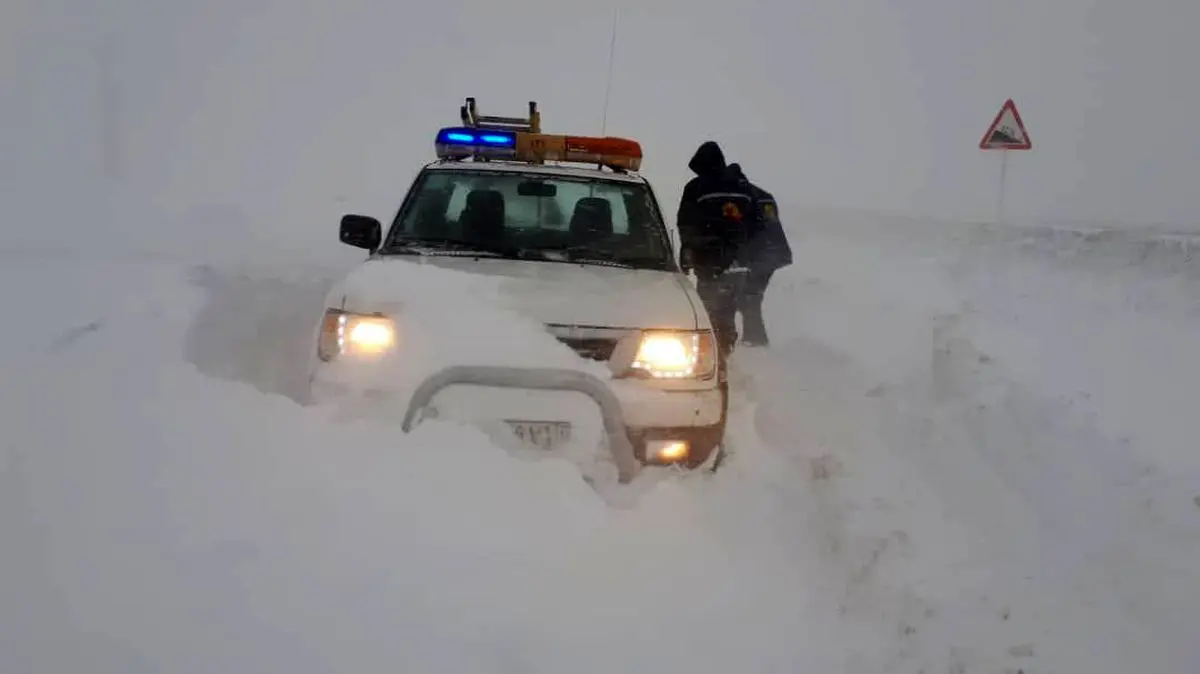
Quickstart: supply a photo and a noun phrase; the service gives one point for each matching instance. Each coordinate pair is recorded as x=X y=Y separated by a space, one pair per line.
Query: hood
x=734 y=172
x=547 y=292
x=708 y=159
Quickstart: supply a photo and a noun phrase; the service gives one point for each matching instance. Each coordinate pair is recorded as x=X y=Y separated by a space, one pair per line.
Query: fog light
x=666 y=451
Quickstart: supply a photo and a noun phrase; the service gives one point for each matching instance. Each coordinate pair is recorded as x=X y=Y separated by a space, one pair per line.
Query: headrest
x=592 y=214
x=485 y=200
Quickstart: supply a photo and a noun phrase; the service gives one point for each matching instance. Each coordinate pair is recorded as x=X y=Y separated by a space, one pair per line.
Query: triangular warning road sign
x=1007 y=131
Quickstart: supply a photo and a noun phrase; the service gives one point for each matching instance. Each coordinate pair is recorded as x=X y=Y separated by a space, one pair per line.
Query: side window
x=619 y=215
x=428 y=213
x=458 y=201
x=641 y=220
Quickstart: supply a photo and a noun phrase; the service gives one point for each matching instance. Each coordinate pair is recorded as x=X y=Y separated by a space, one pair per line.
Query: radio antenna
x=612 y=48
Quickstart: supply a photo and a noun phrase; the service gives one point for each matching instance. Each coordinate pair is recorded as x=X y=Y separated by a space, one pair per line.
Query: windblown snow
x=968 y=450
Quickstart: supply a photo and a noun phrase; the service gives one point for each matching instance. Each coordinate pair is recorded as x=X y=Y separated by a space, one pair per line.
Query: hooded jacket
x=716 y=214
x=768 y=250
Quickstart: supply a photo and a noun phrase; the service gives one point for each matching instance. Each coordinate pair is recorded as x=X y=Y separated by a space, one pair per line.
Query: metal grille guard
x=541 y=379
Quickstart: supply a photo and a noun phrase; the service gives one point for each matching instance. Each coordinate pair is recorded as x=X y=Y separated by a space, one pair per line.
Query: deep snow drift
x=964 y=453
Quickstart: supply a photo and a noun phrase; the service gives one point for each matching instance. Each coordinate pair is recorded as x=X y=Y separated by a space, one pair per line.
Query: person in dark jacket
x=765 y=253
x=716 y=218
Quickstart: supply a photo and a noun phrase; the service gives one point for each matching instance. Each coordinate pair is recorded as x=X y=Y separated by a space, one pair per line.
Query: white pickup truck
x=557 y=216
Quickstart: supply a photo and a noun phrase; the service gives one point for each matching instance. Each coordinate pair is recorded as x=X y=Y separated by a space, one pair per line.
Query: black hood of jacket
x=708 y=160
x=734 y=172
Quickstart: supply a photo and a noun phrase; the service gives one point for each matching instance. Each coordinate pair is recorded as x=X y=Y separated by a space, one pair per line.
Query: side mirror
x=361 y=231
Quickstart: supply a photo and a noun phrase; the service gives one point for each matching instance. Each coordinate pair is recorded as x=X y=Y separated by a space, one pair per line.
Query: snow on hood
x=547 y=292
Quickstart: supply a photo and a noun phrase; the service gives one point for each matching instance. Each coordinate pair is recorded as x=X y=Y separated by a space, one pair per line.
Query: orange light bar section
x=619 y=152
x=541 y=147
x=615 y=152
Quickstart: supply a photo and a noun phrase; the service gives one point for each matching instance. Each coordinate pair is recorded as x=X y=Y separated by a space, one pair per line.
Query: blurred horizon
x=292 y=117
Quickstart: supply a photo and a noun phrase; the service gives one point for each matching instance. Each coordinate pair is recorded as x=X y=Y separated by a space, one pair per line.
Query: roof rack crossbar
x=470 y=116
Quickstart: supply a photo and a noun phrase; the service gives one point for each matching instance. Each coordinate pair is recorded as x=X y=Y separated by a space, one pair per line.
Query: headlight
x=676 y=355
x=346 y=334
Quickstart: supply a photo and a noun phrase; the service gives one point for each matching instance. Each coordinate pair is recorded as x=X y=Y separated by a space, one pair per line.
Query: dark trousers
x=720 y=292
x=750 y=301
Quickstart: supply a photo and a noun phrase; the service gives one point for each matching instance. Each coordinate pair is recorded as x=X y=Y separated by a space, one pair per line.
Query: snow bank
x=935 y=471
x=258 y=325
x=1020 y=422
x=1101 y=320
x=155 y=519
x=450 y=318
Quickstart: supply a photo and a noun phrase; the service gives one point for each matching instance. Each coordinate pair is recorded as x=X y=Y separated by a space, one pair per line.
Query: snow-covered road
x=963 y=453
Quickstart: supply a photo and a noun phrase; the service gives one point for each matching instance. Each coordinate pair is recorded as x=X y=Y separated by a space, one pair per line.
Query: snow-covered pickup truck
x=581 y=242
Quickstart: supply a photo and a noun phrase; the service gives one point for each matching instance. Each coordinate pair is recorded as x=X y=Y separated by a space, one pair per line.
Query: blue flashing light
x=476 y=138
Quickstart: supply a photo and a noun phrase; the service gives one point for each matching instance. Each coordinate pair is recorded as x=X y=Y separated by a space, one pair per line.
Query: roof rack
x=471 y=118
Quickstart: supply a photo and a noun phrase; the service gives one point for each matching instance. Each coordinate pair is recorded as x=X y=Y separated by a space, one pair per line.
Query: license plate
x=543 y=434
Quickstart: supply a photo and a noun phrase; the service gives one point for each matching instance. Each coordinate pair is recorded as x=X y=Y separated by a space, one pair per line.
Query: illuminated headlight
x=355 y=335
x=676 y=355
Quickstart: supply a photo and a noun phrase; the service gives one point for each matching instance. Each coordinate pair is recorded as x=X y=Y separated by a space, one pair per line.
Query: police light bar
x=536 y=148
x=463 y=142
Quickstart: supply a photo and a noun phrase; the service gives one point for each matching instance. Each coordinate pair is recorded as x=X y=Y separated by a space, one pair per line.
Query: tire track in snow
x=925 y=539
x=878 y=540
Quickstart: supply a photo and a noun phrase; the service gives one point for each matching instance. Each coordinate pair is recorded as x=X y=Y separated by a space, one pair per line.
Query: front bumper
x=644 y=406
x=651 y=413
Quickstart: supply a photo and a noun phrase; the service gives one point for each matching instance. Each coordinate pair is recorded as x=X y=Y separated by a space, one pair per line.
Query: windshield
x=550 y=218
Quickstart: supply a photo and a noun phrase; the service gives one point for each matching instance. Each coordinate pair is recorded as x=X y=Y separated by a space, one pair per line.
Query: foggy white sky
x=281 y=107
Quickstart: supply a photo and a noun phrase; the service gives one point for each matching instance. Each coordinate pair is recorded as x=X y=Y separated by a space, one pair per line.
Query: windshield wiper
x=580 y=254
x=571 y=254
x=588 y=254
x=450 y=247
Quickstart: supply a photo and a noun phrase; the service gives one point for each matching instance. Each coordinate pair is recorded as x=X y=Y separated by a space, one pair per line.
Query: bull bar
x=539 y=379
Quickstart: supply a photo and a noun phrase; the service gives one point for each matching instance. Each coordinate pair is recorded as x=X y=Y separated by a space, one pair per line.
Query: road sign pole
x=1003 y=179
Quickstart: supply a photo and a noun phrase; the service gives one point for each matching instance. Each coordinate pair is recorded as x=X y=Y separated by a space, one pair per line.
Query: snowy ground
x=966 y=452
